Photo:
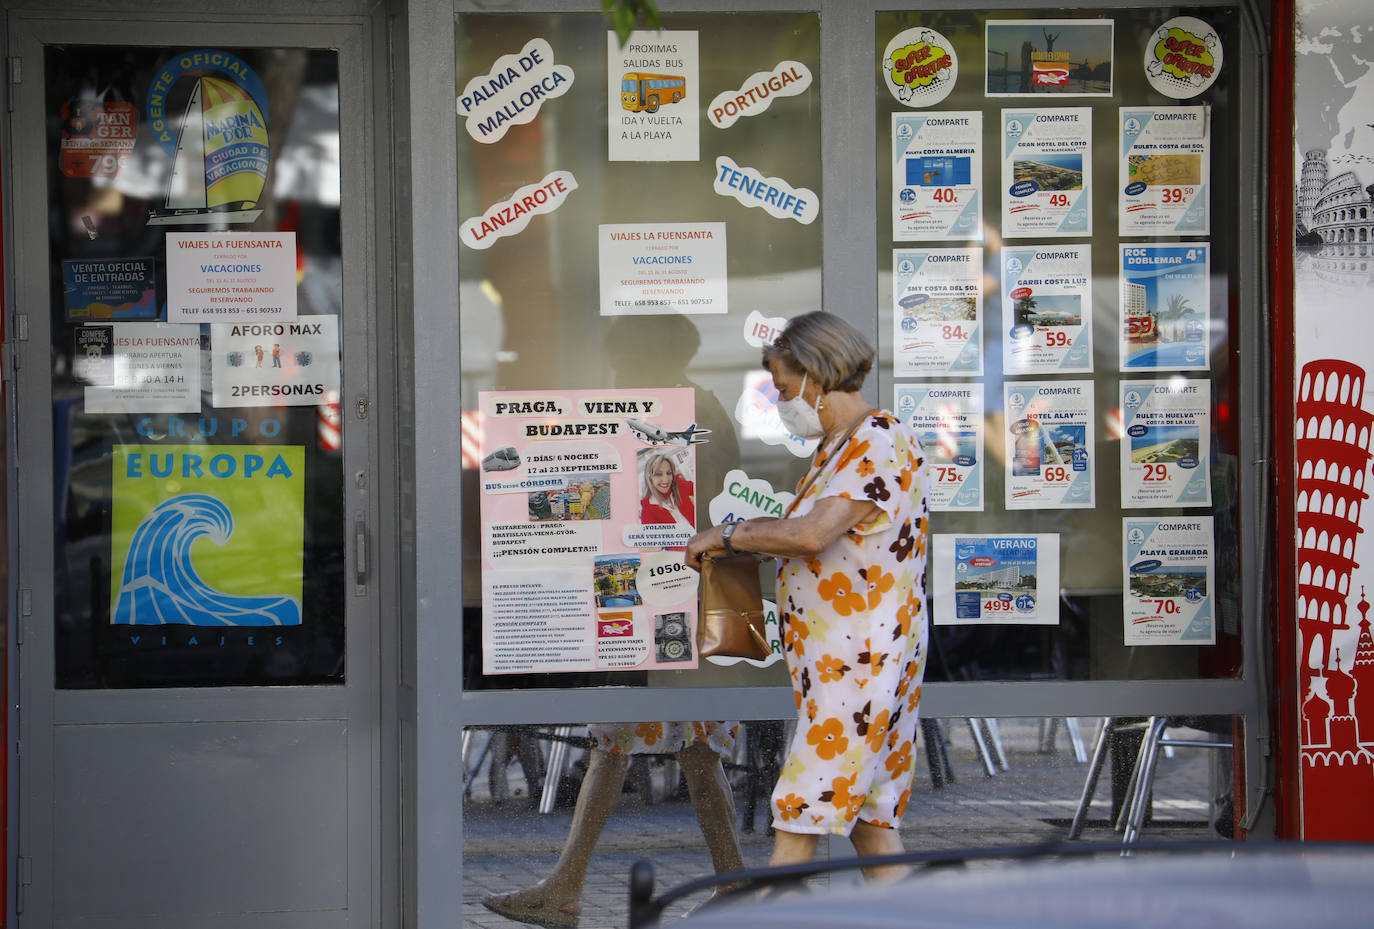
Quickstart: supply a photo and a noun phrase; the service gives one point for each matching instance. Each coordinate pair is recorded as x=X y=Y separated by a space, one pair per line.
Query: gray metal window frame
x=849 y=203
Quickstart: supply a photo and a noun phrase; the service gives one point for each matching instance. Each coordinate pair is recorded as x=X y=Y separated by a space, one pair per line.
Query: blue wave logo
x=160 y=585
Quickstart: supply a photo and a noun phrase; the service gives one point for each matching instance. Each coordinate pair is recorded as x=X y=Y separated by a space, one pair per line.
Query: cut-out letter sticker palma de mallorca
x=757 y=93
x=919 y=67
x=1183 y=57
x=207 y=535
x=513 y=90
x=208 y=110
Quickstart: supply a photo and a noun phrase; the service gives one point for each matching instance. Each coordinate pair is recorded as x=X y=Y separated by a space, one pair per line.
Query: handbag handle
x=811 y=478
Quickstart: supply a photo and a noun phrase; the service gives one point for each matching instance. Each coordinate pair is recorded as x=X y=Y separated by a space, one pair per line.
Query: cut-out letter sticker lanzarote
x=510 y=217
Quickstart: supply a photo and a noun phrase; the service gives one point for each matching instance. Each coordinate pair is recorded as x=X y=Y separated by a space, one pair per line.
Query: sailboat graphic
x=220 y=164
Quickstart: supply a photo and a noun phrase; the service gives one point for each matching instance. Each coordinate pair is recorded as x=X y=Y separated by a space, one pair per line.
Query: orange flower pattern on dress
x=791 y=806
x=828 y=738
x=832 y=669
x=855 y=638
x=878 y=584
x=662 y=738
x=839 y=590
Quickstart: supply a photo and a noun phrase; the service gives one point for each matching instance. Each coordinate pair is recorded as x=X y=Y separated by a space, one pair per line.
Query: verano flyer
x=996 y=579
x=1169 y=580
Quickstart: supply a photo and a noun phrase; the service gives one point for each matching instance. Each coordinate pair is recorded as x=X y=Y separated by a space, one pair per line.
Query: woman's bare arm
x=794 y=537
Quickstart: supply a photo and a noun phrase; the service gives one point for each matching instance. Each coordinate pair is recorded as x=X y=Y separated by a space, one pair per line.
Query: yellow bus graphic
x=639 y=91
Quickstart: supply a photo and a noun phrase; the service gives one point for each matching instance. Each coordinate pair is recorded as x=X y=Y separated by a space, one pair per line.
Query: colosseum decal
x=1333 y=293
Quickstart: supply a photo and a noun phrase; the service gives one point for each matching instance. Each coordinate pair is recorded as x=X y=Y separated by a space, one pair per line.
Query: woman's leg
x=793 y=847
x=554 y=900
x=869 y=839
x=713 y=804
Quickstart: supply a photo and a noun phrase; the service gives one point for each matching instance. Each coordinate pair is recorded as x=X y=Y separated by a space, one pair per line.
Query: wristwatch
x=725 y=534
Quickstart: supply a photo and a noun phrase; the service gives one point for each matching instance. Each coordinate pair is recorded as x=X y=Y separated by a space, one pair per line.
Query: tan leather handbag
x=731 y=624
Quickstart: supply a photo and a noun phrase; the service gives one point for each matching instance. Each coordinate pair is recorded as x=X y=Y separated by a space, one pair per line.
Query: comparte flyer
x=996 y=579
x=587 y=497
x=1165 y=166
x=1050 y=439
x=948 y=421
x=1166 y=451
x=937 y=311
x=1165 y=307
x=937 y=176
x=1047 y=309
x=1169 y=579
x=1047 y=171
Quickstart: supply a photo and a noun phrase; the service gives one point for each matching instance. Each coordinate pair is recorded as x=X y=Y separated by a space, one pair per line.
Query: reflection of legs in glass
x=554 y=902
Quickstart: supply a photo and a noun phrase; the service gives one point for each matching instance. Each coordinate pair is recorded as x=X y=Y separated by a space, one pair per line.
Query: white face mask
x=800 y=417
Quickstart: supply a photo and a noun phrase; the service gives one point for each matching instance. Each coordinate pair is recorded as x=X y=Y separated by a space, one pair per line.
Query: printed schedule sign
x=1165 y=452
x=1164 y=171
x=948 y=421
x=1047 y=171
x=654 y=268
x=1001 y=579
x=227 y=277
x=937 y=176
x=1047 y=309
x=1050 y=441
x=937 y=311
x=1169 y=579
x=587 y=498
x=653 y=96
x=1165 y=306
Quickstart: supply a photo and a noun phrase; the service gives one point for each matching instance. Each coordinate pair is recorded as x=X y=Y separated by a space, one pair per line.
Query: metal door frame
x=365 y=704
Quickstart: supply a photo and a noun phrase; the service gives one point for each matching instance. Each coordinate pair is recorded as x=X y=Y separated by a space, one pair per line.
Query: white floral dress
x=662 y=738
x=854 y=635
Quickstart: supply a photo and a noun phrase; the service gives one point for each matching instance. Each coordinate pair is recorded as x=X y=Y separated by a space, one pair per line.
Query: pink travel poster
x=588 y=497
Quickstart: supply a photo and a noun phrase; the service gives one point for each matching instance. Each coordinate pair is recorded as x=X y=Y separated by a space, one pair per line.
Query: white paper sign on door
x=937 y=311
x=948 y=421
x=1047 y=309
x=937 y=176
x=996 y=579
x=1047 y=170
x=1165 y=168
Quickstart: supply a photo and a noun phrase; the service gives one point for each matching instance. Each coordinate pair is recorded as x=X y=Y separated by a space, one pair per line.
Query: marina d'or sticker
x=1183 y=57
x=207 y=535
x=919 y=67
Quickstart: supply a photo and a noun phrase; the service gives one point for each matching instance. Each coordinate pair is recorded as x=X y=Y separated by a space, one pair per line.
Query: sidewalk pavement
x=509 y=845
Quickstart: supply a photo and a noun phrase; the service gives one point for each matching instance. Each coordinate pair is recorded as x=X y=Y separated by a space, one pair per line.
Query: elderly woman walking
x=851 y=556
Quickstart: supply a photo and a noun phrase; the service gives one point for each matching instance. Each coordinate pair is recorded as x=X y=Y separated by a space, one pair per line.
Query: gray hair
x=824 y=347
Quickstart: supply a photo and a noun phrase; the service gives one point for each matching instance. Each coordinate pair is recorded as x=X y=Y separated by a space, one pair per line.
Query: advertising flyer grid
x=1169 y=581
x=1165 y=167
x=587 y=497
x=1165 y=307
x=937 y=311
x=996 y=579
x=1047 y=172
x=1047 y=309
x=1166 y=449
x=1050 y=442
x=937 y=176
x=948 y=422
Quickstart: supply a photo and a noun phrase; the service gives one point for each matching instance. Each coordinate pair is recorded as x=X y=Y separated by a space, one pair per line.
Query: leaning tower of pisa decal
x=1333 y=451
